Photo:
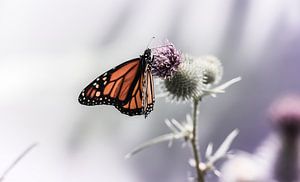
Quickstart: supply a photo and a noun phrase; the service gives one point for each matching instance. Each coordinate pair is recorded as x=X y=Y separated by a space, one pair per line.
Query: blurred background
x=51 y=49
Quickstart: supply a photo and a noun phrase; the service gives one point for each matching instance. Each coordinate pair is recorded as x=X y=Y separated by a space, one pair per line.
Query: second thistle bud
x=192 y=76
x=213 y=69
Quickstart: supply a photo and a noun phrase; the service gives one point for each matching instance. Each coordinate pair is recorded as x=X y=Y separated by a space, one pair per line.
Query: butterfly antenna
x=151 y=40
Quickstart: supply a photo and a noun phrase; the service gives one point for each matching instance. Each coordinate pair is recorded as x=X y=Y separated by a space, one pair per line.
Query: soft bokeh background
x=50 y=50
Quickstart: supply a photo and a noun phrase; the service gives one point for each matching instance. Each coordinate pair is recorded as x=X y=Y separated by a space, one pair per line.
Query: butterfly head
x=147 y=55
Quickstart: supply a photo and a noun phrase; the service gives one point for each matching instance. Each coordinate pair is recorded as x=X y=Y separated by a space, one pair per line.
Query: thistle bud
x=187 y=82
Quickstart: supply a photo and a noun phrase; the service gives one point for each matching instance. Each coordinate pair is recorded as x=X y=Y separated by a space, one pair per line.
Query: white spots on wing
x=82 y=93
x=104 y=78
x=98 y=79
x=98 y=94
x=104 y=74
x=105 y=82
x=97 y=85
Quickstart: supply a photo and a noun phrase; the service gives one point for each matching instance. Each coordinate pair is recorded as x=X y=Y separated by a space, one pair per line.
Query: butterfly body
x=129 y=87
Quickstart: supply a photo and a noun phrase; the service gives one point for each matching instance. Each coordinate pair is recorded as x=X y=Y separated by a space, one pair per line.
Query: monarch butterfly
x=129 y=87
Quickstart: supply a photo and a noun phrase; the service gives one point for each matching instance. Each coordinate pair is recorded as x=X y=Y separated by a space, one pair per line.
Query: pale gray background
x=50 y=50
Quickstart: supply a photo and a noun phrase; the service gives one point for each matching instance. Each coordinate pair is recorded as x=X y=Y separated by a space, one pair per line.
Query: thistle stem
x=194 y=141
x=16 y=161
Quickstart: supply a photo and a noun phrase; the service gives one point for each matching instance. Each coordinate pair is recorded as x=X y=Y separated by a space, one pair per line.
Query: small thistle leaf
x=159 y=139
x=192 y=162
x=177 y=124
x=209 y=151
x=221 y=88
x=217 y=173
x=171 y=126
x=213 y=95
x=222 y=150
x=149 y=143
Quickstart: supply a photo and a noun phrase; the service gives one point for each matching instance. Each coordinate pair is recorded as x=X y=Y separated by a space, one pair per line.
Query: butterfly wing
x=142 y=98
x=135 y=105
x=150 y=96
x=129 y=87
x=114 y=87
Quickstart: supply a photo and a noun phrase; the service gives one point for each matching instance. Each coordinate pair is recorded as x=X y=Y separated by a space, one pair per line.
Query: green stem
x=194 y=141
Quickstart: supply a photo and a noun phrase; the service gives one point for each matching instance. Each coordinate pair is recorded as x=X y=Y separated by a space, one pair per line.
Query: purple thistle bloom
x=166 y=60
x=285 y=114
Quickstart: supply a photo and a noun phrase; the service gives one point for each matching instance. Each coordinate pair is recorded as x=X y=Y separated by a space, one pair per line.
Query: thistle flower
x=187 y=82
x=276 y=159
x=166 y=60
x=285 y=115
